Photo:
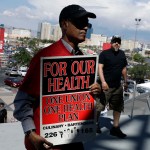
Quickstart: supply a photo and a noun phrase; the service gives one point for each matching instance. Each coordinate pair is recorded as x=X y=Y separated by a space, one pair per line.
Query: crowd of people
x=74 y=23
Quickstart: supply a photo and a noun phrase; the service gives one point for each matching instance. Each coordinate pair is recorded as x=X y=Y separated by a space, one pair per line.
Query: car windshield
x=16 y=79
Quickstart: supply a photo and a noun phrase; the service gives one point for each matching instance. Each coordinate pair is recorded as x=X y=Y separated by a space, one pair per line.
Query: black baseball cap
x=73 y=12
x=116 y=39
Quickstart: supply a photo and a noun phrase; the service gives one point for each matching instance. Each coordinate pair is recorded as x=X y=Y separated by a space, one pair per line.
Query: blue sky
x=114 y=17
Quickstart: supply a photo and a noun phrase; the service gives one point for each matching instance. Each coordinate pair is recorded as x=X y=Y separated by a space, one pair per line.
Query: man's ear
x=64 y=24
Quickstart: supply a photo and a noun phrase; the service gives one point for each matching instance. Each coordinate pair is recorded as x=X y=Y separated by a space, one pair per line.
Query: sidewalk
x=11 y=136
x=136 y=125
x=137 y=130
x=7 y=96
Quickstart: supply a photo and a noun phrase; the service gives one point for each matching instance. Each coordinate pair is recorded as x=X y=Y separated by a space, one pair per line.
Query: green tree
x=138 y=58
x=33 y=45
x=28 y=48
x=139 y=72
x=22 y=57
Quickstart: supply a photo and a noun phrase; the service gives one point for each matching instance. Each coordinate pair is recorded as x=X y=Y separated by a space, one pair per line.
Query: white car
x=22 y=72
x=146 y=80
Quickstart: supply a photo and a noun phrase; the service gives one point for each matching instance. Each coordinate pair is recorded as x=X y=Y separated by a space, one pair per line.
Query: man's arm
x=102 y=78
x=23 y=111
x=100 y=71
x=124 y=74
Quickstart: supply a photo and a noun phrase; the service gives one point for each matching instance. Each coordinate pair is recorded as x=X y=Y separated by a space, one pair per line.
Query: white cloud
x=117 y=12
x=8 y=13
x=112 y=16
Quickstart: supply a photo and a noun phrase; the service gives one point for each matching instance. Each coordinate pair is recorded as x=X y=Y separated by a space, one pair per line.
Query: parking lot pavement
x=7 y=96
x=137 y=128
x=5 y=92
x=11 y=136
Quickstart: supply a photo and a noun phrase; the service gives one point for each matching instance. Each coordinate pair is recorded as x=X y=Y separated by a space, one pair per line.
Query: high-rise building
x=56 y=32
x=89 y=31
x=44 y=31
x=48 y=31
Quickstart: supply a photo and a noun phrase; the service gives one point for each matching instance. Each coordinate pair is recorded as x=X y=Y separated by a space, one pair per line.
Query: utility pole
x=135 y=38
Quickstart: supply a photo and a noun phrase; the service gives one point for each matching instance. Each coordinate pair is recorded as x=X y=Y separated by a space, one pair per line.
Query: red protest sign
x=67 y=107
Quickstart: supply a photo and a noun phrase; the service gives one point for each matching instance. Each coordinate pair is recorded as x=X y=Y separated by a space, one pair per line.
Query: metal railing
x=6 y=105
x=137 y=97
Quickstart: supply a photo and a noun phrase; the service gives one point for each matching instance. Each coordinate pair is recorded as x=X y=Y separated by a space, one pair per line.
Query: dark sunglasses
x=81 y=23
x=116 y=41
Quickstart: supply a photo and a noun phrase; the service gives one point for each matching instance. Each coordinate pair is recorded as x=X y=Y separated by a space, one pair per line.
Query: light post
x=136 y=26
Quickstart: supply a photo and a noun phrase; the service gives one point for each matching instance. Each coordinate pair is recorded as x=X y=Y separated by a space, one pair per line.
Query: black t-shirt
x=114 y=62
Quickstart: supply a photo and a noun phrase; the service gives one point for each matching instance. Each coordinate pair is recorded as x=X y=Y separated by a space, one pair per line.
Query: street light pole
x=136 y=26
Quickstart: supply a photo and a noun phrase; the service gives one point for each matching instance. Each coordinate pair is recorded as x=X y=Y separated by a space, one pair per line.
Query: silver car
x=12 y=72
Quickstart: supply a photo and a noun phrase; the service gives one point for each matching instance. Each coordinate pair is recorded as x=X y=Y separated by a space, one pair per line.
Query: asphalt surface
x=136 y=124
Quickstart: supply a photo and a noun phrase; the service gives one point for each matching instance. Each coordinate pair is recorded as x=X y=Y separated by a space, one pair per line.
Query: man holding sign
x=49 y=85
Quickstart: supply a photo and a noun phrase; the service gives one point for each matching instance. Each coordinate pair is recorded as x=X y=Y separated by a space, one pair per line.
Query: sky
x=114 y=17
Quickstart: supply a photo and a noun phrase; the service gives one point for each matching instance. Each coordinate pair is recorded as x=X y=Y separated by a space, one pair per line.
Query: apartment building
x=56 y=32
x=48 y=31
x=20 y=33
x=44 y=31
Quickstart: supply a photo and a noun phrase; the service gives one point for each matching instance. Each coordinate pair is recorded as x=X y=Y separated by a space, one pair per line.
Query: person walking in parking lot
x=112 y=66
x=73 y=21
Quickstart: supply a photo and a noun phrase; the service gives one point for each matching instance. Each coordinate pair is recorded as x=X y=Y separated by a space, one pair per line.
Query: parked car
x=142 y=90
x=130 y=88
x=146 y=80
x=11 y=72
x=22 y=72
x=7 y=71
x=13 y=81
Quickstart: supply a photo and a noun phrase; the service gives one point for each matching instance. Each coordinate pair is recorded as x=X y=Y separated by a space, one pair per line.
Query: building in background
x=20 y=33
x=2 y=30
x=56 y=32
x=95 y=40
x=128 y=44
x=89 y=31
x=47 y=31
x=3 y=57
x=44 y=31
x=146 y=50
